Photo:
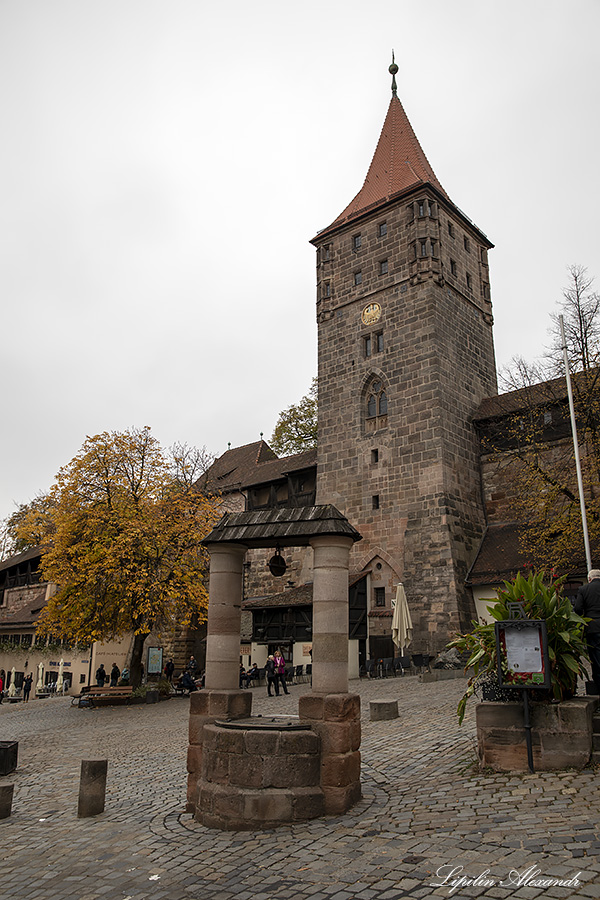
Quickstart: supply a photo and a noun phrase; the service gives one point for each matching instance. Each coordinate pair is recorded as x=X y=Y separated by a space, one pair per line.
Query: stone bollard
x=383 y=709
x=8 y=756
x=92 y=787
x=6 y=797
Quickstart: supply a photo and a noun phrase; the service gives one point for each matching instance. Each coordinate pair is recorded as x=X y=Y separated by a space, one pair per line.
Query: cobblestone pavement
x=425 y=810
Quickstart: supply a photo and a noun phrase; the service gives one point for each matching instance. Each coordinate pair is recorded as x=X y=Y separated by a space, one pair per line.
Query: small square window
x=379 y=596
x=467 y=244
x=375 y=456
x=379 y=342
x=368 y=346
x=453 y=268
x=375 y=501
x=358 y=278
x=382 y=229
x=383 y=267
x=356 y=241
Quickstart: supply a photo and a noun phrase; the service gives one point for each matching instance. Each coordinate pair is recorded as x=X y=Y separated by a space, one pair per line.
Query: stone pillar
x=336 y=719
x=222 y=698
x=330 y=614
x=224 y=616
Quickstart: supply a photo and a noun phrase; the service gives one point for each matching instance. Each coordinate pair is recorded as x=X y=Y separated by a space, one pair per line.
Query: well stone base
x=256 y=777
x=561 y=734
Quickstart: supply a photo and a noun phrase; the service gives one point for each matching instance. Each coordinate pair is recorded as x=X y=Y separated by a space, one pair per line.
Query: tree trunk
x=135 y=669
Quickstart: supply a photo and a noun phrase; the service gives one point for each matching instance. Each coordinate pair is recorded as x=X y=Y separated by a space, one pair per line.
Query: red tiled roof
x=398 y=165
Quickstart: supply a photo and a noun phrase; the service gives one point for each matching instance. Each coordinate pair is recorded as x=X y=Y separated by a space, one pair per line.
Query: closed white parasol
x=401 y=620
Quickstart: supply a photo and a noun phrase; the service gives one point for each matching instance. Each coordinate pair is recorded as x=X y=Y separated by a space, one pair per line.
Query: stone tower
x=406 y=354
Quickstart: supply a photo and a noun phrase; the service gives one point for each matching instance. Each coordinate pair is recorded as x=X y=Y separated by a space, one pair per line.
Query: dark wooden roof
x=285 y=527
x=300 y=595
x=295 y=596
x=25 y=556
x=277 y=469
x=253 y=464
x=500 y=557
x=27 y=614
x=233 y=468
x=542 y=394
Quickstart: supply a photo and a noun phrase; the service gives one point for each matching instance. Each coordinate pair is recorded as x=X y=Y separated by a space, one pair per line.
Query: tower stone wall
x=405 y=356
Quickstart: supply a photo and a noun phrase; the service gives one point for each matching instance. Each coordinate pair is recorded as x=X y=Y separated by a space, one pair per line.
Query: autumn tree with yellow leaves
x=121 y=537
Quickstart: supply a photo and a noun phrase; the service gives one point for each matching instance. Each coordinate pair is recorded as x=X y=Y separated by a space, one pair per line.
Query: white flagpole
x=586 y=539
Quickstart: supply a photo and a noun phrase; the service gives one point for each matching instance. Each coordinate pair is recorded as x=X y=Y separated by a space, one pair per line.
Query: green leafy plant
x=566 y=642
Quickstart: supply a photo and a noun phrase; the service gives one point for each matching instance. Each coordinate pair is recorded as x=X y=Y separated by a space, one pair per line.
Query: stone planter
x=561 y=734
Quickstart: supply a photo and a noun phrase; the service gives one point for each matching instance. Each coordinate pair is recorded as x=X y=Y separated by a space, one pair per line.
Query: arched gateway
x=246 y=772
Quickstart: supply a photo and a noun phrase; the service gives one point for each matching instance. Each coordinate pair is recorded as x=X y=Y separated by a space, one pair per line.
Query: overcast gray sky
x=164 y=163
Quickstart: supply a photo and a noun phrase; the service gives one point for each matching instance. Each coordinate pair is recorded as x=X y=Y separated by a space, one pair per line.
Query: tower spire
x=393 y=70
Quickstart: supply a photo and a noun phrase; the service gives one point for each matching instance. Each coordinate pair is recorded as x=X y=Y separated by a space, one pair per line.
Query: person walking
x=114 y=675
x=280 y=671
x=587 y=604
x=169 y=669
x=101 y=675
x=27 y=682
x=272 y=681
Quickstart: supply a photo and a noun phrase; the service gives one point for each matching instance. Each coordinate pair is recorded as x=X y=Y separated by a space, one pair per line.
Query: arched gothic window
x=376 y=405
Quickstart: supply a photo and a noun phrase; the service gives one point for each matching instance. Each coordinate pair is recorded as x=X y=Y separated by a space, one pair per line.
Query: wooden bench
x=101 y=696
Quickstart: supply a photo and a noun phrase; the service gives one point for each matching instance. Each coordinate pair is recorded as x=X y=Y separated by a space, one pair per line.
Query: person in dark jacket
x=114 y=675
x=101 y=675
x=169 y=669
x=587 y=604
x=27 y=682
x=272 y=680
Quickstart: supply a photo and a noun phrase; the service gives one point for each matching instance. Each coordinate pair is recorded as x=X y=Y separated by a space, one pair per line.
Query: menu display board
x=522 y=650
x=155 y=656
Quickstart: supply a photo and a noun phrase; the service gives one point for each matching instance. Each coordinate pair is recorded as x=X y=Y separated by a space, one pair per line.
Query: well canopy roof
x=284 y=527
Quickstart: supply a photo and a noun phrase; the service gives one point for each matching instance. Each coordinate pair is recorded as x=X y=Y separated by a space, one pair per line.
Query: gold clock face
x=371 y=313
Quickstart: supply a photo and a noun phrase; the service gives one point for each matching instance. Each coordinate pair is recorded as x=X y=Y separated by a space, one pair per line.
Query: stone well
x=249 y=772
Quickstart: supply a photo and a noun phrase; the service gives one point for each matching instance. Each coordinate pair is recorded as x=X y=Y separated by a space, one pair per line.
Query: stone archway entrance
x=241 y=774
